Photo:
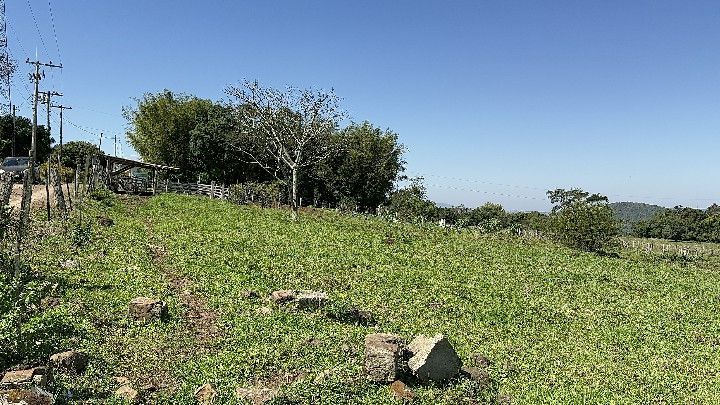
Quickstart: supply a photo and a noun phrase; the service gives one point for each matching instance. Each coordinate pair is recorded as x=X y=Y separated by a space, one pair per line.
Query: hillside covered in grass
x=549 y=324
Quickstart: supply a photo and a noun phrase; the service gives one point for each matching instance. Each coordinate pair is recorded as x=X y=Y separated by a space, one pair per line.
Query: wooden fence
x=132 y=184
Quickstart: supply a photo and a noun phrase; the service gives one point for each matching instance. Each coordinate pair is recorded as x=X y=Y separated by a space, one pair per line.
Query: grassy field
x=558 y=326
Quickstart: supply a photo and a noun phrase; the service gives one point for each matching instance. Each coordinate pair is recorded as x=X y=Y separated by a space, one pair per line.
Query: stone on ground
x=205 y=394
x=400 y=390
x=383 y=357
x=303 y=299
x=310 y=299
x=31 y=396
x=71 y=361
x=282 y=296
x=256 y=396
x=147 y=309
x=38 y=376
x=476 y=374
x=433 y=359
x=128 y=393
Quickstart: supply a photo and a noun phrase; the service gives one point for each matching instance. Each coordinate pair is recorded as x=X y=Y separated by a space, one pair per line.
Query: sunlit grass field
x=558 y=326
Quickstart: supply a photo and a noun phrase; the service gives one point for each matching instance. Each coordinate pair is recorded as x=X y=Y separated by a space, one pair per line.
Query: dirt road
x=38 y=197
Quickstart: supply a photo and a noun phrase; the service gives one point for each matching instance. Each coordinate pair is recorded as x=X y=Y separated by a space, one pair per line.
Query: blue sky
x=495 y=101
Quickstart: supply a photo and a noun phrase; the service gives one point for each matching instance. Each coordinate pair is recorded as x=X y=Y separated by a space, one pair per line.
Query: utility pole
x=14 y=136
x=115 y=144
x=36 y=77
x=61 y=108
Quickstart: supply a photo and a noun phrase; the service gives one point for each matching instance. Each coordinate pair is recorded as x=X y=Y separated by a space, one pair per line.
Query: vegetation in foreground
x=557 y=325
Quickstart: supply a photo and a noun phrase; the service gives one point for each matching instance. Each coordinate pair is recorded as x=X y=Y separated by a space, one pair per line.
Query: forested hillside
x=632 y=212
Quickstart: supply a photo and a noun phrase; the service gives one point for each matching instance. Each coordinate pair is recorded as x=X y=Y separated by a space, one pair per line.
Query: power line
x=37 y=27
x=57 y=43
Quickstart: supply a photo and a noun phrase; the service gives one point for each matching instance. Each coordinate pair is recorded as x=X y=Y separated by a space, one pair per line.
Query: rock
x=205 y=394
x=401 y=391
x=304 y=299
x=480 y=360
x=384 y=353
x=433 y=359
x=147 y=309
x=476 y=374
x=264 y=311
x=105 y=221
x=38 y=376
x=256 y=396
x=32 y=396
x=127 y=393
x=250 y=294
x=282 y=296
x=310 y=299
x=71 y=361
x=120 y=381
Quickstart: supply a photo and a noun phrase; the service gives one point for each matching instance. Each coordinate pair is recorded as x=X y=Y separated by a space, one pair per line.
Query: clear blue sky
x=495 y=101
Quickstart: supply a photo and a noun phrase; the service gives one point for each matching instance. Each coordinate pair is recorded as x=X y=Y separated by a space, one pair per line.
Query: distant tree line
x=682 y=224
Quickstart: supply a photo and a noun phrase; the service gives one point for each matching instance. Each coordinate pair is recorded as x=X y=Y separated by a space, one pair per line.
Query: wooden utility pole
x=36 y=77
x=14 y=133
x=62 y=108
x=48 y=101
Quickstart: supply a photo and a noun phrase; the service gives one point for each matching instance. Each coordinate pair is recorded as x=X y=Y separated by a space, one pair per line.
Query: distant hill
x=632 y=212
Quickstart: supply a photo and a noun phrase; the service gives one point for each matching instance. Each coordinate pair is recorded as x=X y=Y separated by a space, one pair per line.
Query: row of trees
x=578 y=219
x=265 y=135
x=682 y=224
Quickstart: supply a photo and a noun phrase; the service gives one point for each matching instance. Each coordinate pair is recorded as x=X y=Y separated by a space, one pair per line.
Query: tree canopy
x=23 y=138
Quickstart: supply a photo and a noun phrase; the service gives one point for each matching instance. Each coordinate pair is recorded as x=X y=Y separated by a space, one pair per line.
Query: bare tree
x=288 y=129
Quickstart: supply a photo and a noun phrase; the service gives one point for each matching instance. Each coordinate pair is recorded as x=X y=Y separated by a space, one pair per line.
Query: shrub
x=66 y=174
x=582 y=221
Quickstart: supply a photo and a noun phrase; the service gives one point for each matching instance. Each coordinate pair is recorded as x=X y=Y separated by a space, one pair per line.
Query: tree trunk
x=294 y=215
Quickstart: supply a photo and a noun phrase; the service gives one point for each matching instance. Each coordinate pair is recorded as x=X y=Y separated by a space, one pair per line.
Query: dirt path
x=201 y=319
x=39 y=196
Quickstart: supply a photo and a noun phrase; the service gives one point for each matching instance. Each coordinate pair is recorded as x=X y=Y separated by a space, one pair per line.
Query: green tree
x=582 y=220
x=74 y=152
x=161 y=125
x=23 y=138
x=410 y=203
x=364 y=170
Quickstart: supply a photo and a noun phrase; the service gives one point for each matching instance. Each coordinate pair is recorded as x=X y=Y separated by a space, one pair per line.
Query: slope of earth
x=557 y=326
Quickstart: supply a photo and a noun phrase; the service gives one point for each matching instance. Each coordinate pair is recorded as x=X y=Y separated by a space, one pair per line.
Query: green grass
x=559 y=326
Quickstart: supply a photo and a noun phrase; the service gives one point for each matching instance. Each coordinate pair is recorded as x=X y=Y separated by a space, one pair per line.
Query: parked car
x=16 y=166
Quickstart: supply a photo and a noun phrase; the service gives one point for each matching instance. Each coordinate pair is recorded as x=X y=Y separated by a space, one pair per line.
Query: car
x=16 y=166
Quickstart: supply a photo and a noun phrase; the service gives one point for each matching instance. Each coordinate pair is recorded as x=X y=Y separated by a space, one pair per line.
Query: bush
x=582 y=221
x=104 y=196
x=66 y=174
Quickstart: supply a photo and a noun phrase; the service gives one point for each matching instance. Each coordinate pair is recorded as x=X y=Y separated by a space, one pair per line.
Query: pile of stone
x=427 y=359
x=30 y=386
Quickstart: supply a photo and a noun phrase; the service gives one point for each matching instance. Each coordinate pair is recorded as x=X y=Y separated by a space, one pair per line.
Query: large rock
x=31 y=396
x=384 y=357
x=71 y=361
x=433 y=359
x=147 y=309
x=38 y=376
